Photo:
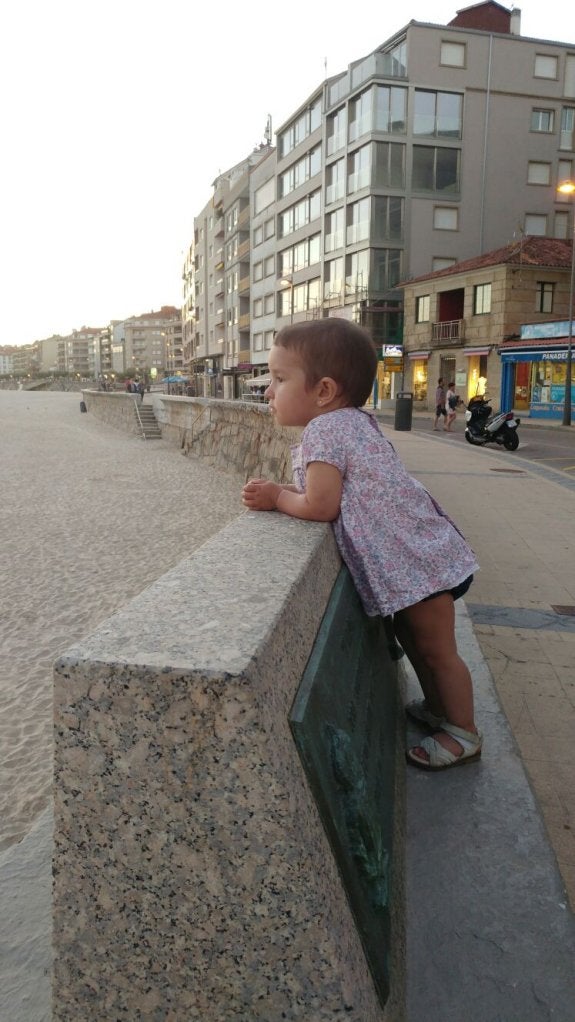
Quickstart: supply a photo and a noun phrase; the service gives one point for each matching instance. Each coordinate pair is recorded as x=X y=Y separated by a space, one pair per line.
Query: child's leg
x=430 y=630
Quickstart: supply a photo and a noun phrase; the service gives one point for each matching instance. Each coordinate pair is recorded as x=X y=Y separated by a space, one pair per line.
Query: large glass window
x=360 y=115
x=335 y=181
x=334 y=230
x=390 y=109
x=333 y=278
x=422 y=309
x=387 y=219
x=357 y=222
x=307 y=122
x=389 y=171
x=300 y=172
x=386 y=268
x=357 y=271
x=359 y=169
x=437 y=114
x=435 y=170
x=299 y=215
x=481 y=299
x=335 y=128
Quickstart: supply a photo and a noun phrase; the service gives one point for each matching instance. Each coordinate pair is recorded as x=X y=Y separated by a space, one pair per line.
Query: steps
x=147 y=421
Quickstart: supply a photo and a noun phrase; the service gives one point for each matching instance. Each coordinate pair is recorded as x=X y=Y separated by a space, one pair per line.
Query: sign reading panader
x=343 y=721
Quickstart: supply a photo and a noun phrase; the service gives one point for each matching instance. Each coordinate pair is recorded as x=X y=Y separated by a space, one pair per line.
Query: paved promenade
x=519 y=519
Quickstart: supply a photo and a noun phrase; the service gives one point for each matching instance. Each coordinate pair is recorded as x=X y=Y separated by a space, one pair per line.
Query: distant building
x=145 y=336
x=6 y=363
x=468 y=322
x=79 y=353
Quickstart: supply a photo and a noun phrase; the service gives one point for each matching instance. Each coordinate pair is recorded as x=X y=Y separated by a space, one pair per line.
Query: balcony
x=244 y=285
x=244 y=323
x=244 y=249
x=219 y=227
x=244 y=217
x=452 y=331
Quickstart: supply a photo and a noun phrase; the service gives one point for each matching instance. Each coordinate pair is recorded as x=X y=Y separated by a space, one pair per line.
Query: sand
x=89 y=516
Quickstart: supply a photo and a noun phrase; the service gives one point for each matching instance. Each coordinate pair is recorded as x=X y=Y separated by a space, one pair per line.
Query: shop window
x=481 y=299
x=419 y=379
x=422 y=309
x=545 y=293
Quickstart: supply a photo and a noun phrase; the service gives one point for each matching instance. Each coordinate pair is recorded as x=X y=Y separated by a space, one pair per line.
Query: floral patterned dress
x=397 y=542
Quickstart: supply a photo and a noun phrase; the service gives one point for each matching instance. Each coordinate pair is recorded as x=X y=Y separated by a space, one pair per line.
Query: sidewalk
x=491 y=936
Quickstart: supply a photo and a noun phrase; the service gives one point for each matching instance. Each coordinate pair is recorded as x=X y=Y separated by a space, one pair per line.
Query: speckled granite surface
x=193 y=879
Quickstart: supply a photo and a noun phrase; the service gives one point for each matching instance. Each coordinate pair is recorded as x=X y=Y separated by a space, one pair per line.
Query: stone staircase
x=147 y=421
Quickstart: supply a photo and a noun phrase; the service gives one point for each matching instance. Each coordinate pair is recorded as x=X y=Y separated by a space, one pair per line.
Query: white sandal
x=417 y=710
x=441 y=758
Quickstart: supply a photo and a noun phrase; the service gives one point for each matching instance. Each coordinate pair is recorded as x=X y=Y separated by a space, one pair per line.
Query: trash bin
x=403 y=410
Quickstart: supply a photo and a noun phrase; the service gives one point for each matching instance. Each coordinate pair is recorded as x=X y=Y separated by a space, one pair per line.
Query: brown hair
x=337 y=348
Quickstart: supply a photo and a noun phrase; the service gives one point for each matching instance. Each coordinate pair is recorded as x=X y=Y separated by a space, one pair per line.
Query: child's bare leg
x=431 y=628
x=424 y=675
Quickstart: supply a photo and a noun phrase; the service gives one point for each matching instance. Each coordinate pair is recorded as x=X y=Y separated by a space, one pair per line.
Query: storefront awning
x=418 y=354
x=476 y=351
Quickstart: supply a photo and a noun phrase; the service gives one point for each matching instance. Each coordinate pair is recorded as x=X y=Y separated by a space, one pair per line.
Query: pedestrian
x=405 y=555
x=141 y=389
x=440 y=403
x=452 y=401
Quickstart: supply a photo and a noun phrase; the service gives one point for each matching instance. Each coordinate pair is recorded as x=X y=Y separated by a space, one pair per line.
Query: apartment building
x=6 y=362
x=79 y=353
x=143 y=339
x=443 y=143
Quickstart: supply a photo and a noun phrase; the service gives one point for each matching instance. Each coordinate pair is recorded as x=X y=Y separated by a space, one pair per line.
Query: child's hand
x=261 y=495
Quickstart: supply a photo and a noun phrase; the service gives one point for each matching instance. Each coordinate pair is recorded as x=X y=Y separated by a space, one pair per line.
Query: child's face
x=290 y=401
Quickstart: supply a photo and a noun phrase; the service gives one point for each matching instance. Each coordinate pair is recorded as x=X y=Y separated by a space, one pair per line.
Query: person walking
x=452 y=401
x=406 y=557
x=439 y=403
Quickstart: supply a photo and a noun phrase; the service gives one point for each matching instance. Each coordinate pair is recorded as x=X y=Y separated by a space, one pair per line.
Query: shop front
x=534 y=371
x=389 y=379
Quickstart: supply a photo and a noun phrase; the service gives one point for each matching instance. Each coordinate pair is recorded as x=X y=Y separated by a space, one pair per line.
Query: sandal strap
x=438 y=754
x=471 y=737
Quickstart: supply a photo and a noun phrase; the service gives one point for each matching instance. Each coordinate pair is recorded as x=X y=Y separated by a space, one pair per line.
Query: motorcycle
x=484 y=428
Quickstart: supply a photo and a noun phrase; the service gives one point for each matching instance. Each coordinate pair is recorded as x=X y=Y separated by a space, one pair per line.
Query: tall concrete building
x=144 y=340
x=444 y=142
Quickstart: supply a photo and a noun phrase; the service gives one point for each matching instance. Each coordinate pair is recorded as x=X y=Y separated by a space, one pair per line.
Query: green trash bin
x=403 y=410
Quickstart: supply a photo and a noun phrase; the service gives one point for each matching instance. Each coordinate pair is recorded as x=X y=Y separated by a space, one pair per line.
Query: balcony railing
x=451 y=331
x=244 y=285
x=244 y=323
x=244 y=249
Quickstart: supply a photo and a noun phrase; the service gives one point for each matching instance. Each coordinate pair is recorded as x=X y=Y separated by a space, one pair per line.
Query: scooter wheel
x=511 y=442
x=468 y=437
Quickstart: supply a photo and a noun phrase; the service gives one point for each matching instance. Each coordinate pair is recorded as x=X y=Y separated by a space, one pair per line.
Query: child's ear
x=327 y=390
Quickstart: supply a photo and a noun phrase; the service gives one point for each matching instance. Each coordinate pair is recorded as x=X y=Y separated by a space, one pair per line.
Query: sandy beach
x=89 y=517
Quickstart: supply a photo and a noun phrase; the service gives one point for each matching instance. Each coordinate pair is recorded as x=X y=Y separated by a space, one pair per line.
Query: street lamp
x=568 y=188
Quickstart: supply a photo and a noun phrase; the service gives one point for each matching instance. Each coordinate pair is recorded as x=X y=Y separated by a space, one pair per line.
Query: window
x=258 y=342
x=561 y=225
x=567 y=124
x=300 y=129
x=538 y=173
x=536 y=223
x=542 y=120
x=442 y=263
x=269 y=266
x=299 y=215
x=422 y=309
x=269 y=304
x=435 y=170
x=269 y=338
x=334 y=230
x=544 y=299
x=569 y=77
x=258 y=236
x=357 y=271
x=389 y=171
x=387 y=218
x=335 y=129
x=264 y=196
x=357 y=222
x=390 y=109
x=545 y=66
x=300 y=172
x=564 y=173
x=386 y=268
x=446 y=218
x=360 y=115
x=452 y=54
x=437 y=114
x=359 y=169
x=333 y=278
x=258 y=308
x=258 y=271
x=269 y=228
x=335 y=181
x=481 y=299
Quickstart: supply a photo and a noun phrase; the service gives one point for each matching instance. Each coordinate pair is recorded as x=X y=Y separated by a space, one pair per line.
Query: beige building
x=144 y=341
x=461 y=320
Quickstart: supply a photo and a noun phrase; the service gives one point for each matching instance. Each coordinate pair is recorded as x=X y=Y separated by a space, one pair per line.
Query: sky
x=117 y=115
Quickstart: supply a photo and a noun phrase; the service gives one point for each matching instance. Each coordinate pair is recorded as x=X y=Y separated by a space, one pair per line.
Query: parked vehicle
x=482 y=427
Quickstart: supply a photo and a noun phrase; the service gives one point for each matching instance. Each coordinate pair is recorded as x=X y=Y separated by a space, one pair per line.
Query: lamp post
x=568 y=188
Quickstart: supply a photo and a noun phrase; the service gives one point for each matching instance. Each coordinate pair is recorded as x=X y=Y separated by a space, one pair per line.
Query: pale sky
x=116 y=117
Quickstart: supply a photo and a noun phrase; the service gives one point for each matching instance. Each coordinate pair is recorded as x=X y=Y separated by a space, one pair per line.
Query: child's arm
x=320 y=502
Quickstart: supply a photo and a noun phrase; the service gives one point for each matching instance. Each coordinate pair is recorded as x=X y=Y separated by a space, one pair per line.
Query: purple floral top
x=397 y=542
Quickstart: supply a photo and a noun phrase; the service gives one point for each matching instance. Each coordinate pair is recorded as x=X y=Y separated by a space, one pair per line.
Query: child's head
x=335 y=348
x=451 y=383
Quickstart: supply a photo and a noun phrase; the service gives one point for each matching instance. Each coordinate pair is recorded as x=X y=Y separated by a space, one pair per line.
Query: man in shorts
x=440 y=409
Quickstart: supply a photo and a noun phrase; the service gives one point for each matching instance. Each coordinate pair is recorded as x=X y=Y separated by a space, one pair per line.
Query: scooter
x=484 y=428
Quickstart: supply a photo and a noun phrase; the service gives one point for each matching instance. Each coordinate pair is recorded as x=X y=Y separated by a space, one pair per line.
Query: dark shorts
x=440 y=410
x=457 y=592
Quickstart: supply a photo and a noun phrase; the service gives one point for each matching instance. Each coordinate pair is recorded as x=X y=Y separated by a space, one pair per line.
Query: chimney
x=515 y=23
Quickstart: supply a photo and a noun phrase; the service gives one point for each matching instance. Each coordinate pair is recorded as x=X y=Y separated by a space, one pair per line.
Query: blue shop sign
x=544 y=331
x=535 y=355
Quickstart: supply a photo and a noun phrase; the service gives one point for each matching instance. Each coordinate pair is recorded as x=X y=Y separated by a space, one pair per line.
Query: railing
x=451 y=331
x=244 y=249
x=244 y=285
x=244 y=323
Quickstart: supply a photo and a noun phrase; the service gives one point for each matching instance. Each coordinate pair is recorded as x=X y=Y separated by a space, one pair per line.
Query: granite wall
x=115 y=408
x=192 y=877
